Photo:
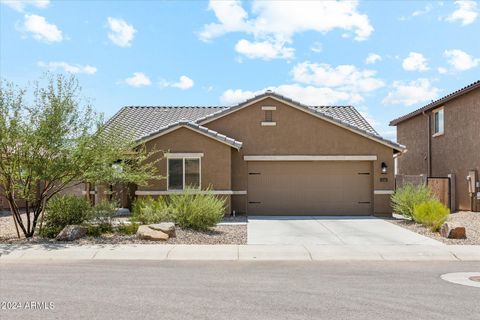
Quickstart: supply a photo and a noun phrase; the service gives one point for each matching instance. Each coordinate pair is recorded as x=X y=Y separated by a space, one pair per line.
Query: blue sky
x=386 y=58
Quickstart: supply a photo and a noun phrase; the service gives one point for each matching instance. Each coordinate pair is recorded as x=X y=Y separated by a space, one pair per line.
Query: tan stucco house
x=269 y=155
x=443 y=138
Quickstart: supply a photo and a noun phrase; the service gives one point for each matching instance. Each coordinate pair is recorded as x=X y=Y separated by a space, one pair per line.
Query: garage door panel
x=309 y=188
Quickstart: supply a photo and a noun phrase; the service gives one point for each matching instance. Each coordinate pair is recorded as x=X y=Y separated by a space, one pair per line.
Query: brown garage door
x=309 y=188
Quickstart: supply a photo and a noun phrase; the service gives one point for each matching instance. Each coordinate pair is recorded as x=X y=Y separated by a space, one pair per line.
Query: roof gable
x=194 y=127
x=367 y=132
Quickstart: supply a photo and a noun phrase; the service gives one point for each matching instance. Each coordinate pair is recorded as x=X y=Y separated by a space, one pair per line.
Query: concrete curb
x=16 y=253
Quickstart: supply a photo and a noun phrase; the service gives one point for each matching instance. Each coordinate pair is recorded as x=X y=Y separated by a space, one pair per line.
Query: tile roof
x=437 y=103
x=140 y=122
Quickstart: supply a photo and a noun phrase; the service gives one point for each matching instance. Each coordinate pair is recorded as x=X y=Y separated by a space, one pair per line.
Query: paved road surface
x=239 y=290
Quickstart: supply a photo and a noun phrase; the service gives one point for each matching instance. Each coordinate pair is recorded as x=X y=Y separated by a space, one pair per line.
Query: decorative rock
x=146 y=233
x=165 y=227
x=449 y=230
x=71 y=232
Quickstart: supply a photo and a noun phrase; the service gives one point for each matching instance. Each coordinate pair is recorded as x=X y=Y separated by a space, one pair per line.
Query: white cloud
x=71 y=68
x=41 y=29
x=308 y=95
x=410 y=93
x=277 y=24
x=264 y=50
x=372 y=58
x=317 y=47
x=139 y=79
x=121 y=33
x=415 y=62
x=460 y=60
x=343 y=77
x=423 y=11
x=442 y=70
x=183 y=83
x=20 y=5
x=467 y=12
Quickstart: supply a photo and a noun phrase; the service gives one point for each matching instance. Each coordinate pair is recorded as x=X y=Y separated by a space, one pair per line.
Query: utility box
x=474 y=189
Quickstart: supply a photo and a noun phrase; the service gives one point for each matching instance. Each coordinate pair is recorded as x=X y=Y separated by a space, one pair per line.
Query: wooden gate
x=440 y=187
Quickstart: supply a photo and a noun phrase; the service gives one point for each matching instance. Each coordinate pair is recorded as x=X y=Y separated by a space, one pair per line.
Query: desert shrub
x=149 y=210
x=196 y=211
x=62 y=211
x=431 y=214
x=96 y=230
x=128 y=229
x=406 y=198
x=104 y=211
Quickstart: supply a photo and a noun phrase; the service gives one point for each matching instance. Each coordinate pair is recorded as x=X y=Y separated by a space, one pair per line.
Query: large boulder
x=165 y=227
x=72 y=232
x=146 y=233
x=453 y=231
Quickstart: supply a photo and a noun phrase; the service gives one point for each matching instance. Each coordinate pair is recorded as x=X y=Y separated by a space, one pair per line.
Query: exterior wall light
x=384 y=168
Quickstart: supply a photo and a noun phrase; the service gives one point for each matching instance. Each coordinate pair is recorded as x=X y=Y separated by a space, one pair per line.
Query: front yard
x=229 y=231
x=470 y=220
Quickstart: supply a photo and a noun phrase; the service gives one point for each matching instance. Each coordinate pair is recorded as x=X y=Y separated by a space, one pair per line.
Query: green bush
x=62 y=211
x=104 y=211
x=149 y=210
x=431 y=214
x=128 y=229
x=406 y=198
x=197 y=211
x=99 y=229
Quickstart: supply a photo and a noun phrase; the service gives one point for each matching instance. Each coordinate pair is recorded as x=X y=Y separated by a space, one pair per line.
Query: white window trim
x=183 y=155
x=269 y=123
x=183 y=173
x=439 y=133
x=269 y=108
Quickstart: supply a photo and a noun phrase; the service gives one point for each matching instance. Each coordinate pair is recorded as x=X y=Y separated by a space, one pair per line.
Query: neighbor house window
x=183 y=173
x=438 y=122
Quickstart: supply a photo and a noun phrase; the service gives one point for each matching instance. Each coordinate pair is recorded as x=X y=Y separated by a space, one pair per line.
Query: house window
x=183 y=173
x=438 y=122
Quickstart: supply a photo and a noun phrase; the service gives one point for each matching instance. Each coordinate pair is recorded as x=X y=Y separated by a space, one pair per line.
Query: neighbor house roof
x=437 y=103
x=143 y=122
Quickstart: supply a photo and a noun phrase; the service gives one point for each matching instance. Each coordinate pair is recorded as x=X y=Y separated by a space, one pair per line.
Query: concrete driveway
x=343 y=230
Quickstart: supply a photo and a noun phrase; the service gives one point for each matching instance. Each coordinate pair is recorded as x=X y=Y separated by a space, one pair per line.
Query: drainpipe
x=429 y=144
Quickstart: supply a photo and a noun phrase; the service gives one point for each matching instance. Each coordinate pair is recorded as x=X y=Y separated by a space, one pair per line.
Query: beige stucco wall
x=300 y=133
x=215 y=164
x=456 y=151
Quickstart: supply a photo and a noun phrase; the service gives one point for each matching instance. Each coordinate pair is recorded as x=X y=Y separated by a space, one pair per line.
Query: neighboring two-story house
x=443 y=137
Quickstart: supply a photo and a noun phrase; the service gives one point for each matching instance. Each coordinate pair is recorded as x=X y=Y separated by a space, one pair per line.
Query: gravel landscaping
x=470 y=220
x=221 y=234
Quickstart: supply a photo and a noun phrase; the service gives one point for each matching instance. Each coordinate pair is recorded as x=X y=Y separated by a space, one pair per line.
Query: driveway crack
x=336 y=235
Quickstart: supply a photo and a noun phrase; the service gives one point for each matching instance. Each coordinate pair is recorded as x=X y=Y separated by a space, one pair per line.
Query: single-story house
x=269 y=155
x=443 y=138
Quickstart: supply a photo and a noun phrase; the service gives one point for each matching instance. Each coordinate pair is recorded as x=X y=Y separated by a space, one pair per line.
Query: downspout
x=429 y=144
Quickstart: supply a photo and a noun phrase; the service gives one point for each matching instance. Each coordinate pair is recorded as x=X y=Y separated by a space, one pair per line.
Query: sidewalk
x=18 y=253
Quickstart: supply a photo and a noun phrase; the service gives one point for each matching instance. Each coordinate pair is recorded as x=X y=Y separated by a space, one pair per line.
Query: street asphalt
x=95 y=289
